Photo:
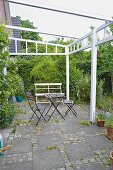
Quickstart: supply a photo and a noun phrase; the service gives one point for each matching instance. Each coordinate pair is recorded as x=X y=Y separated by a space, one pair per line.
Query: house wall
x=17 y=34
x=2 y=12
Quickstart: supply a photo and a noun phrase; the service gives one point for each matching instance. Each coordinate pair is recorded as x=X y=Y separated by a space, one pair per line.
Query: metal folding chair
x=36 y=108
x=70 y=106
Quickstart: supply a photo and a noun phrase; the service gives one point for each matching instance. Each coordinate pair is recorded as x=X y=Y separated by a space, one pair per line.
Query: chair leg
x=70 y=108
x=41 y=114
x=31 y=117
x=48 y=110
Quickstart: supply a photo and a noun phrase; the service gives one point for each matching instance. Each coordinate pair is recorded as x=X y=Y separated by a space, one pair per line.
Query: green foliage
x=83 y=62
x=105 y=65
x=3 y=40
x=9 y=83
x=24 y=69
x=29 y=35
x=100 y=116
x=7 y=113
x=60 y=63
x=109 y=122
x=84 y=89
x=14 y=129
x=103 y=100
x=45 y=71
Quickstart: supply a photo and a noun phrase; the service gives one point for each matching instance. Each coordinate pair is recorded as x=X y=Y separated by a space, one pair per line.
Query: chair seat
x=40 y=106
x=70 y=105
x=68 y=102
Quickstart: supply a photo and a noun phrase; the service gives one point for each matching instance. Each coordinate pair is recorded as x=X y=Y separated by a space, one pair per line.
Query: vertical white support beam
x=46 y=48
x=93 y=77
x=5 y=71
x=5 y=68
x=36 y=48
x=16 y=46
x=67 y=73
x=26 y=47
x=56 y=49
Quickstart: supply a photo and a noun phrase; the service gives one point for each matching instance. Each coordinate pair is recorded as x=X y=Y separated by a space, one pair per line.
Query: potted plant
x=19 y=93
x=100 y=119
x=109 y=125
x=111 y=157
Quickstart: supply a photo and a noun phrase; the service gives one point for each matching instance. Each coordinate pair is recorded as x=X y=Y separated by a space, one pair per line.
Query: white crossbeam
x=89 y=45
x=36 y=54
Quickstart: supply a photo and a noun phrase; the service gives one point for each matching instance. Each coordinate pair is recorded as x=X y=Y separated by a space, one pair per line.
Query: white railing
x=46 y=88
x=86 y=41
x=57 y=49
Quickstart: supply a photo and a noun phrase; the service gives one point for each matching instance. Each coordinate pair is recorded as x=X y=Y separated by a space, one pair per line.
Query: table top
x=56 y=95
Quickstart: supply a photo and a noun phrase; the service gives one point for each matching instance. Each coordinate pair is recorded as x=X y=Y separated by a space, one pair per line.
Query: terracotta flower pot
x=100 y=123
x=111 y=157
x=110 y=133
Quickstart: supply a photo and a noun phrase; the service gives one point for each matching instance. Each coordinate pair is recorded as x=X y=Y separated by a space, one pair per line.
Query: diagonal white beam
x=36 y=30
x=77 y=13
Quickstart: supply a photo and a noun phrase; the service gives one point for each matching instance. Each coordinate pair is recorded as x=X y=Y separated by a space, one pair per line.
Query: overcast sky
x=58 y=23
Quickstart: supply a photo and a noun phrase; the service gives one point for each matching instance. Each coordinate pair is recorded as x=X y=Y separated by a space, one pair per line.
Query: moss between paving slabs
x=84 y=123
x=51 y=148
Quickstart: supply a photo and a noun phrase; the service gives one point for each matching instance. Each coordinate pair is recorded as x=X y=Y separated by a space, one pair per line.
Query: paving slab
x=51 y=128
x=49 y=140
x=47 y=160
x=17 y=166
x=96 y=166
x=23 y=130
x=99 y=142
x=79 y=151
x=20 y=145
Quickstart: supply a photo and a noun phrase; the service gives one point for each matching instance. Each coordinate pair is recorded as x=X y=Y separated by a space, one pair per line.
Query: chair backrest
x=31 y=100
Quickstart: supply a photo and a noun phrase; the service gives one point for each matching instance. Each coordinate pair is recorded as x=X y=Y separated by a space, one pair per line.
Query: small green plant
x=51 y=148
x=14 y=129
x=109 y=122
x=100 y=117
x=7 y=113
x=84 y=123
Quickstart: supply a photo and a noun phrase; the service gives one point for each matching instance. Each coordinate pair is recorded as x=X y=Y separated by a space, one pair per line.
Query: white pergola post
x=93 y=77
x=67 y=73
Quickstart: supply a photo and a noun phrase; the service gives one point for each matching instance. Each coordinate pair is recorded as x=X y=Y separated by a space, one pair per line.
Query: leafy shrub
x=24 y=69
x=7 y=113
x=103 y=101
x=9 y=82
x=100 y=116
x=84 y=89
x=109 y=122
x=45 y=71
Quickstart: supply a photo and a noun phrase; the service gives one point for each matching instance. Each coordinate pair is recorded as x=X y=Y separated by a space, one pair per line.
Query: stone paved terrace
x=55 y=145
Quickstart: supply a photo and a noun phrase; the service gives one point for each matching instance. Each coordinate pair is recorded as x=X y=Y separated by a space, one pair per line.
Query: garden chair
x=70 y=105
x=36 y=108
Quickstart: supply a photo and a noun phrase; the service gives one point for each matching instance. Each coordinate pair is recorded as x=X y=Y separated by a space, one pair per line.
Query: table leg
x=55 y=105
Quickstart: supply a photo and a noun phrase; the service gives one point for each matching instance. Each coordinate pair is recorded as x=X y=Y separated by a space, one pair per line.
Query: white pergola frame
x=90 y=40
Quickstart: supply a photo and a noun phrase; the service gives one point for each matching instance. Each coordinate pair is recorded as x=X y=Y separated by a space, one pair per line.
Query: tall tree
x=29 y=35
